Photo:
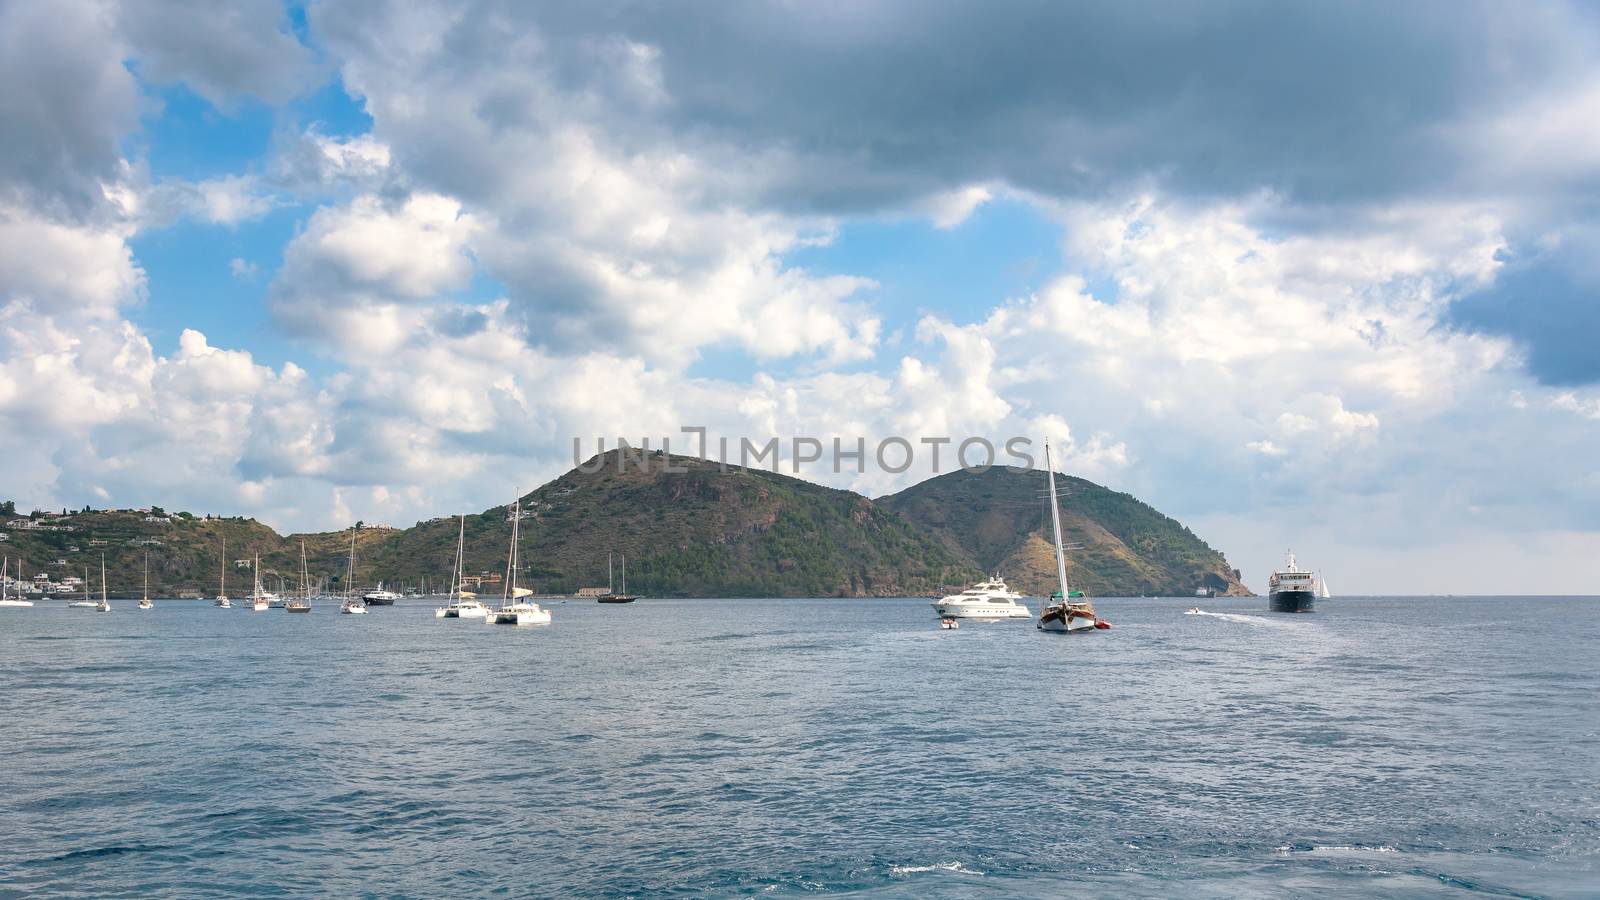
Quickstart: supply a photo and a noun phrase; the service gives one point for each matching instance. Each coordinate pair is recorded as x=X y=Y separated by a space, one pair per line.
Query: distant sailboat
x=85 y=603
x=302 y=603
x=462 y=605
x=514 y=610
x=353 y=604
x=144 y=597
x=1322 y=591
x=222 y=583
x=258 y=600
x=611 y=595
x=105 y=603
x=6 y=600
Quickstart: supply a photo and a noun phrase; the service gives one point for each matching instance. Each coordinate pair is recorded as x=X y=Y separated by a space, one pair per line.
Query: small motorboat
x=949 y=624
x=1192 y=611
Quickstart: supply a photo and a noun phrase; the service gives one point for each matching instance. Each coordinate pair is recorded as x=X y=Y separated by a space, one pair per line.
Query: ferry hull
x=1292 y=601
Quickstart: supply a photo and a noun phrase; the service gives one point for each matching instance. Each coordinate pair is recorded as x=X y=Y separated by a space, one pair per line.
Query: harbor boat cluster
x=1065 y=611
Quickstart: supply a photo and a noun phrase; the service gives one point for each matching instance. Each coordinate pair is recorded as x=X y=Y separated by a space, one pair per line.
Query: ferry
x=989 y=599
x=1292 y=589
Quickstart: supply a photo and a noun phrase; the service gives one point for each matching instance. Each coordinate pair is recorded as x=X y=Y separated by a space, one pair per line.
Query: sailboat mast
x=1055 y=523
x=611 y=579
x=351 y=584
x=624 y=573
x=146 y=595
x=102 y=578
x=222 y=589
x=455 y=582
x=305 y=576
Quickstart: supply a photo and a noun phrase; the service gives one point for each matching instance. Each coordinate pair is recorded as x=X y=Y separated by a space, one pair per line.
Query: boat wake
x=936 y=867
x=1262 y=621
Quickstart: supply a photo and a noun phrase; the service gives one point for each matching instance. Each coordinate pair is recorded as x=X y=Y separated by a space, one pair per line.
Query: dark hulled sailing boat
x=611 y=595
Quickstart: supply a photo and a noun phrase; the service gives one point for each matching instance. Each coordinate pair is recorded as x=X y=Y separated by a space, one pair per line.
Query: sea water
x=771 y=747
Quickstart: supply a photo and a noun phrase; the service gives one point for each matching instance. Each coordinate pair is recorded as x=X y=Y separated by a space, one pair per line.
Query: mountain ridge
x=687 y=527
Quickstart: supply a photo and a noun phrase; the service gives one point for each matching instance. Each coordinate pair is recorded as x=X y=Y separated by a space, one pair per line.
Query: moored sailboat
x=612 y=595
x=6 y=600
x=514 y=609
x=144 y=595
x=222 y=582
x=105 y=602
x=1068 y=611
x=258 y=600
x=85 y=603
x=353 y=604
x=302 y=603
x=462 y=605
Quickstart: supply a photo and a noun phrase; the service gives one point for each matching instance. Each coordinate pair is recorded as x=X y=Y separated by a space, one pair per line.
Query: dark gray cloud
x=220 y=50
x=1550 y=305
x=871 y=104
x=66 y=103
x=1338 y=108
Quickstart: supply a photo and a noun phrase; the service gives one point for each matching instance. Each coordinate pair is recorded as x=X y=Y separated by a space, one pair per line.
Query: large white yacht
x=989 y=599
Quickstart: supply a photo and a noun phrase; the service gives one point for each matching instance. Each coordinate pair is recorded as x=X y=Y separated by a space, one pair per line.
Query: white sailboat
x=1068 y=611
x=105 y=603
x=222 y=583
x=462 y=605
x=258 y=600
x=6 y=600
x=1322 y=590
x=514 y=610
x=353 y=604
x=302 y=603
x=144 y=596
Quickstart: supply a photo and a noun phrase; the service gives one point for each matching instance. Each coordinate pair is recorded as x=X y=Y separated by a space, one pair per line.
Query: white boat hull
x=520 y=617
x=82 y=604
x=19 y=604
x=1073 y=626
x=147 y=605
x=353 y=610
x=967 y=610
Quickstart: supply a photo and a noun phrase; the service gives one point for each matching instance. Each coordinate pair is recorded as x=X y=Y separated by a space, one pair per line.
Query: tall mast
x=146 y=595
x=86 y=584
x=222 y=590
x=351 y=584
x=1055 y=523
x=305 y=577
x=611 y=587
x=455 y=582
x=102 y=577
x=255 y=568
x=624 y=573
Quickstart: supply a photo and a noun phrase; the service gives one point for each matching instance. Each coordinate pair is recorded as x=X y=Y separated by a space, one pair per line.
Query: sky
x=1309 y=275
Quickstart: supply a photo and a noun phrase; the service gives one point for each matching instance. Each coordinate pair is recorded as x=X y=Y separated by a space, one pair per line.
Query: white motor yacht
x=989 y=599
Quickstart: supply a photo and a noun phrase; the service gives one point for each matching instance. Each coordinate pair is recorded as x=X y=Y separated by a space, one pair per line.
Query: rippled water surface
x=1418 y=746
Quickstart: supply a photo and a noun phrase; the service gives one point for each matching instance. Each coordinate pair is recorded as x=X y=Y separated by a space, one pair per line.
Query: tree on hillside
x=8 y=508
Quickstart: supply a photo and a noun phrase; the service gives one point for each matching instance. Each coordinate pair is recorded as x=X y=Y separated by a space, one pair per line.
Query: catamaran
x=302 y=603
x=105 y=603
x=1069 y=611
x=514 y=609
x=352 y=605
x=6 y=600
x=462 y=605
x=144 y=596
x=222 y=583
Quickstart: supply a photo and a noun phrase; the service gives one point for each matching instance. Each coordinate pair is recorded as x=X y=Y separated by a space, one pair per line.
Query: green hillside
x=999 y=520
x=705 y=532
